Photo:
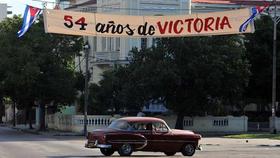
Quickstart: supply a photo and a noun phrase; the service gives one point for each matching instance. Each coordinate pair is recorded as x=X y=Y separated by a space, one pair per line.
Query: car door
x=162 y=138
x=142 y=129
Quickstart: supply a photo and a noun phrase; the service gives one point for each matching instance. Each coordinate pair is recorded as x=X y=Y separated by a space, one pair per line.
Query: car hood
x=105 y=130
x=177 y=131
x=184 y=132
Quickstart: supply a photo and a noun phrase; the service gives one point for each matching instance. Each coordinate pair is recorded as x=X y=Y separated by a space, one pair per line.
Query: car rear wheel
x=188 y=150
x=169 y=153
x=125 y=150
x=107 y=152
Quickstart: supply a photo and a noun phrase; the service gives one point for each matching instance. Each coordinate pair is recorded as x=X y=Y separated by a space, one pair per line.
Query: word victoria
x=194 y=25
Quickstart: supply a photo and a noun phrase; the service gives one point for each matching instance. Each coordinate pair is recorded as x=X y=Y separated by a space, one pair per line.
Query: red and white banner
x=97 y=24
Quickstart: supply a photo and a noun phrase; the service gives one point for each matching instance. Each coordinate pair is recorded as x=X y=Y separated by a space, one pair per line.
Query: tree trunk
x=2 y=108
x=14 y=114
x=179 y=121
x=25 y=115
x=42 y=126
x=29 y=111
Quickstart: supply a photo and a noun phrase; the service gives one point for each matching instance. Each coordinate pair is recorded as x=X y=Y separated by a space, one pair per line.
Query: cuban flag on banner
x=255 y=11
x=30 y=15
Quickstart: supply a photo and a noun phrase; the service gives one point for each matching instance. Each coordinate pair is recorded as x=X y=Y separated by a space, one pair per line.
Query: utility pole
x=86 y=51
x=273 y=115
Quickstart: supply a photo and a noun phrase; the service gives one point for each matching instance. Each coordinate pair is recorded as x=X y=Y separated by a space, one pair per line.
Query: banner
x=97 y=24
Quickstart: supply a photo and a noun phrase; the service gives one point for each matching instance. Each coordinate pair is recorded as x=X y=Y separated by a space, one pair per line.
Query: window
x=143 y=43
x=94 y=44
x=103 y=42
x=118 y=44
x=109 y=48
x=113 y=44
x=154 y=42
x=120 y=124
x=138 y=126
x=160 y=127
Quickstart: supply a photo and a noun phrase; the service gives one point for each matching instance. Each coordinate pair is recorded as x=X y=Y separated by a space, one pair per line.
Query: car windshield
x=120 y=124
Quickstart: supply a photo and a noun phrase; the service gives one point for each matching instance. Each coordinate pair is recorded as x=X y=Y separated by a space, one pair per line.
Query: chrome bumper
x=96 y=145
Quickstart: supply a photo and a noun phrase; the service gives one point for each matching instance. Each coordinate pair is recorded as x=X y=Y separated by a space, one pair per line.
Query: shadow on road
x=268 y=146
x=12 y=135
x=81 y=156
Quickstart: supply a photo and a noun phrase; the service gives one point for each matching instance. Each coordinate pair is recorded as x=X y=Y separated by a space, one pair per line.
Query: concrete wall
x=75 y=123
x=216 y=124
x=277 y=123
x=9 y=114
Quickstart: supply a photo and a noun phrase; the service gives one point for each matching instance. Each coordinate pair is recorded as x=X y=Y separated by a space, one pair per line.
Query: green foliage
x=109 y=94
x=255 y=136
x=195 y=75
x=259 y=48
x=190 y=75
x=37 y=66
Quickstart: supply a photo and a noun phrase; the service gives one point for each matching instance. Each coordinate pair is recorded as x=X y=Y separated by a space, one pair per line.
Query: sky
x=18 y=6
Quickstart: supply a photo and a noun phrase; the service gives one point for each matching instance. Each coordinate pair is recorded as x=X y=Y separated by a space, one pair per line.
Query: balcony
x=109 y=58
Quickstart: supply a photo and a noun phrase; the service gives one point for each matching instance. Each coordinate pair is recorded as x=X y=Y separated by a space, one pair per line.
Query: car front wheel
x=188 y=150
x=125 y=150
x=107 y=152
x=169 y=153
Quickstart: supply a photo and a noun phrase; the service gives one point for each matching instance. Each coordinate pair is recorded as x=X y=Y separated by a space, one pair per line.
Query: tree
x=18 y=67
x=211 y=71
x=40 y=67
x=191 y=75
x=259 y=48
x=109 y=93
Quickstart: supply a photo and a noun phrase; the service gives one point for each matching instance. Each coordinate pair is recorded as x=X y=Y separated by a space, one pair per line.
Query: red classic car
x=129 y=134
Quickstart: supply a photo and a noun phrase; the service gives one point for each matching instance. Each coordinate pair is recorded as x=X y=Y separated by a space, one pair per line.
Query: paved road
x=16 y=144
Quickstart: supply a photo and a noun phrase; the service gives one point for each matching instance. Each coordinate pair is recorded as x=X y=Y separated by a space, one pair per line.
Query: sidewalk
x=219 y=141
x=47 y=132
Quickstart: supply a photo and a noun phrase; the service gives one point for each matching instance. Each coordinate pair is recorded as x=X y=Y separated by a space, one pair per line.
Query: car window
x=120 y=124
x=137 y=126
x=160 y=127
x=141 y=126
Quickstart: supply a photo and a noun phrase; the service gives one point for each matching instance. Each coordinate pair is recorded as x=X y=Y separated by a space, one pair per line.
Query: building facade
x=105 y=52
x=220 y=5
x=3 y=11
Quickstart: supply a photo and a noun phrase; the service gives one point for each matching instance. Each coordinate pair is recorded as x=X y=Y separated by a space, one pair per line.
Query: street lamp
x=86 y=51
x=276 y=20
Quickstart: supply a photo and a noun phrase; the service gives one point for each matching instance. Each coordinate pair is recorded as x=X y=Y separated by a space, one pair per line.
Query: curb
x=27 y=131
x=68 y=134
x=46 y=133
x=3 y=125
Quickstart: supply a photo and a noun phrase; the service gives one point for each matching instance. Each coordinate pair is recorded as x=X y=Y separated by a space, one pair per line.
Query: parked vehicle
x=130 y=134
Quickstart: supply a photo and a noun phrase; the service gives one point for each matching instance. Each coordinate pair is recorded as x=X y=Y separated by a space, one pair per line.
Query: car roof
x=141 y=119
